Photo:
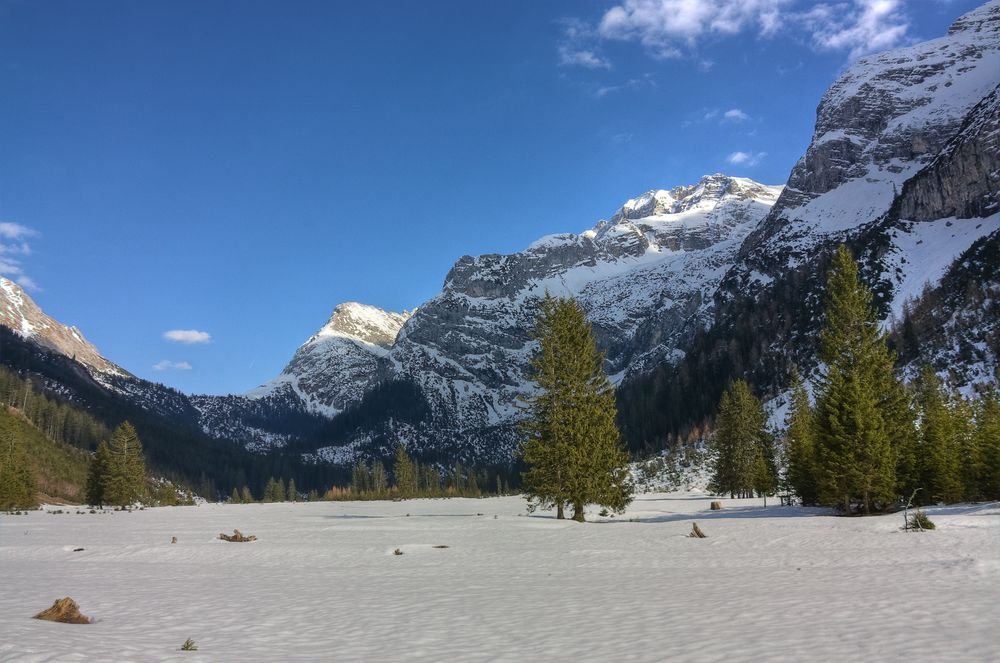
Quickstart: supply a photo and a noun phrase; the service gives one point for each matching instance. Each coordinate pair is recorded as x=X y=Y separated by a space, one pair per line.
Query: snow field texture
x=322 y=583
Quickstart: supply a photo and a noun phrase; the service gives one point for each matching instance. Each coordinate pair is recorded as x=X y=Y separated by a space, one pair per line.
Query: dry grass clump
x=64 y=610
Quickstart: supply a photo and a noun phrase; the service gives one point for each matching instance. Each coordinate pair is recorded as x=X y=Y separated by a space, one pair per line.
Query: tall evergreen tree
x=988 y=440
x=860 y=407
x=741 y=432
x=939 y=449
x=292 y=493
x=405 y=472
x=96 y=475
x=124 y=481
x=17 y=480
x=235 y=497
x=572 y=445
x=800 y=444
x=246 y=497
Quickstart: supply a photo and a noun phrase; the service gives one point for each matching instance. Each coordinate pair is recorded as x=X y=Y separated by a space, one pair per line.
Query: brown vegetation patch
x=64 y=610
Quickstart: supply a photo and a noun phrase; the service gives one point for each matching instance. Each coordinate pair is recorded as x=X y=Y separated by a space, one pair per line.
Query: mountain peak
x=22 y=315
x=362 y=322
x=707 y=193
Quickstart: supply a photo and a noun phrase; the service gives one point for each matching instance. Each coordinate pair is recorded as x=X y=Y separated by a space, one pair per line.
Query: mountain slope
x=902 y=168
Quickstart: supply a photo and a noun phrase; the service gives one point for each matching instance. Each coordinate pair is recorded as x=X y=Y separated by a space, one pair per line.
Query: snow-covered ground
x=322 y=584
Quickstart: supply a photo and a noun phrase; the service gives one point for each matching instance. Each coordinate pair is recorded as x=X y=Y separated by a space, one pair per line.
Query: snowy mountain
x=21 y=314
x=686 y=287
x=341 y=361
x=645 y=276
x=904 y=168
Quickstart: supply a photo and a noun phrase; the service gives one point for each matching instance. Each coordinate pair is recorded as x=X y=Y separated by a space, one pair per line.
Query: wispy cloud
x=718 y=116
x=735 y=115
x=740 y=158
x=582 y=58
x=188 y=336
x=631 y=84
x=167 y=365
x=676 y=28
x=14 y=247
x=579 y=47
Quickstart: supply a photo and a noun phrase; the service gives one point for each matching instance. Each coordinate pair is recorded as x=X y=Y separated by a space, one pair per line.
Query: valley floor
x=322 y=584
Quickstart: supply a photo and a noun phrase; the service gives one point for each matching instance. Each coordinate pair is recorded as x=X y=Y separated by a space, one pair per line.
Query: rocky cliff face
x=903 y=169
x=21 y=314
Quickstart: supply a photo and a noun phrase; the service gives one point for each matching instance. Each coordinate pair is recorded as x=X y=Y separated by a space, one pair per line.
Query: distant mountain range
x=686 y=287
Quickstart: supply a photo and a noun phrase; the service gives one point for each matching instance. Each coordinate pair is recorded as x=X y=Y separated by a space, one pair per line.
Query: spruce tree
x=572 y=445
x=96 y=475
x=405 y=473
x=800 y=444
x=970 y=451
x=124 y=481
x=292 y=494
x=940 y=451
x=235 y=497
x=269 y=490
x=740 y=435
x=246 y=496
x=17 y=480
x=988 y=440
x=861 y=408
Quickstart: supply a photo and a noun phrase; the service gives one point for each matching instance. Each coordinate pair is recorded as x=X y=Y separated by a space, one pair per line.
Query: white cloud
x=673 y=28
x=582 y=58
x=867 y=27
x=187 y=336
x=10 y=230
x=746 y=158
x=666 y=25
x=735 y=115
x=13 y=247
x=579 y=47
x=167 y=365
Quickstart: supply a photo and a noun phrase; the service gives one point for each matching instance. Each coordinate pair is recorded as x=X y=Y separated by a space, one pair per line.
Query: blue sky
x=236 y=169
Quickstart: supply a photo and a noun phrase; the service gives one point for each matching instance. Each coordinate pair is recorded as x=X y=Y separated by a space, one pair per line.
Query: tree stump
x=64 y=610
x=716 y=506
x=696 y=532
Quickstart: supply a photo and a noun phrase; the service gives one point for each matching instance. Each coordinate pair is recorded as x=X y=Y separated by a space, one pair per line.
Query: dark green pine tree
x=405 y=472
x=939 y=448
x=270 y=488
x=970 y=452
x=17 y=480
x=988 y=440
x=235 y=497
x=860 y=406
x=741 y=432
x=246 y=497
x=124 y=481
x=292 y=494
x=96 y=475
x=800 y=445
x=572 y=445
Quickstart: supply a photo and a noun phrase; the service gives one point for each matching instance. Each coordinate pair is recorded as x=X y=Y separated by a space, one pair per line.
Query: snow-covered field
x=322 y=584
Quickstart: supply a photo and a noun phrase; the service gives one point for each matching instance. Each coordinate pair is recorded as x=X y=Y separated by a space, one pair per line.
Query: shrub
x=919 y=520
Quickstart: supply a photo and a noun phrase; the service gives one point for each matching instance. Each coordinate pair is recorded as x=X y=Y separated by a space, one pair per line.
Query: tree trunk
x=560 y=514
x=578 y=511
